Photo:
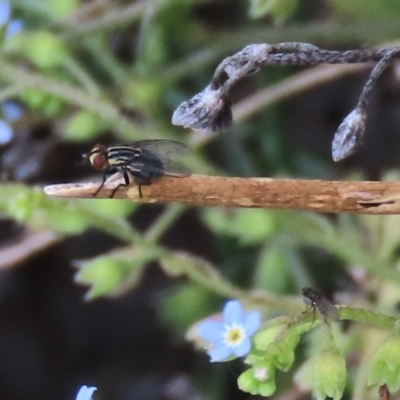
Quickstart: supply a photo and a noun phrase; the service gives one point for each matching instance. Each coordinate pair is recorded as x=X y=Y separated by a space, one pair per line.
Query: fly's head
x=98 y=157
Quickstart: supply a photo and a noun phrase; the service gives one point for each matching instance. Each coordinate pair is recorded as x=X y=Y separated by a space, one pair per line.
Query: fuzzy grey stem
x=375 y=74
x=209 y=110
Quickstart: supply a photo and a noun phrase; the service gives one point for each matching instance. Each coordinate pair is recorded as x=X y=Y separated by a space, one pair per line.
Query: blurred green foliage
x=122 y=67
x=279 y=10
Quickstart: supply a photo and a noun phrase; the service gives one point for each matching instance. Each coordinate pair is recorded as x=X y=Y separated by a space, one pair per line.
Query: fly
x=318 y=302
x=145 y=160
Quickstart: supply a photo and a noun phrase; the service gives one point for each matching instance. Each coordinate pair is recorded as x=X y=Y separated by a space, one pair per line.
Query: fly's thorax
x=311 y=297
x=317 y=301
x=98 y=157
x=122 y=155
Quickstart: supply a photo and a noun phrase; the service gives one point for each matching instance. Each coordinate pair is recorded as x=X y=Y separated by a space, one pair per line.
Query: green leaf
x=385 y=366
x=143 y=94
x=279 y=10
x=250 y=226
x=113 y=274
x=32 y=206
x=371 y=10
x=43 y=48
x=103 y=275
x=83 y=125
x=273 y=270
x=186 y=305
x=60 y=9
x=277 y=344
x=48 y=104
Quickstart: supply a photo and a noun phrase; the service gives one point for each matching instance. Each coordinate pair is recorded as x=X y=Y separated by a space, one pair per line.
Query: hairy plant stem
x=369 y=317
x=168 y=216
x=74 y=95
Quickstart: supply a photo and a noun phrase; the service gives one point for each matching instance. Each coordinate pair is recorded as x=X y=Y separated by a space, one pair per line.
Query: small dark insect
x=145 y=160
x=317 y=301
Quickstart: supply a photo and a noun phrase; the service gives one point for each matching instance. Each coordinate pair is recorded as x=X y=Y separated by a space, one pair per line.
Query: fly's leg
x=127 y=182
x=101 y=186
x=140 y=182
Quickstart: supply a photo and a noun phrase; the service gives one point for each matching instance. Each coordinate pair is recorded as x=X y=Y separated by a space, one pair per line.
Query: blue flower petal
x=243 y=348
x=14 y=27
x=233 y=313
x=6 y=132
x=252 y=322
x=5 y=12
x=11 y=110
x=211 y=331
x=86 y=392
x=219 y=352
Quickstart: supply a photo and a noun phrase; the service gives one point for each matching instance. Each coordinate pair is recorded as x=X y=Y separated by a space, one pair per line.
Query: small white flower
x=261 y=373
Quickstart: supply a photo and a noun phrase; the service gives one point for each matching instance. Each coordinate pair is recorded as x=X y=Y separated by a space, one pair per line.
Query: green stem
x=100 y=106
x=193 y=63
x=200 y=272
x=105 y=58
x=354 y=314
x=354 y=254
x=81 y=76
x=8 y=92
x=158 y=228
x=67 y=92
x=368 y=317
x=205 y=274
x=115 y=18
x=371 y=340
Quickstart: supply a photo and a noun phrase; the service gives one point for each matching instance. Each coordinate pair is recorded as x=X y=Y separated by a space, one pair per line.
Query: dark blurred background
x=135 y=62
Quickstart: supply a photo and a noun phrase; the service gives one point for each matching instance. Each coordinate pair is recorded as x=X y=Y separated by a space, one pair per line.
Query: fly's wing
x=326 y=308
x=168 y=169
x=165 y=150
x=171 y=169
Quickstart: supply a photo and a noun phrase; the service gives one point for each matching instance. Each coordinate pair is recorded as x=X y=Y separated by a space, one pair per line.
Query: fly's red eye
x=98 y=161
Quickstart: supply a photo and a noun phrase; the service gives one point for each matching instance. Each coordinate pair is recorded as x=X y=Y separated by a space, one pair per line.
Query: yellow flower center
x=234 y=335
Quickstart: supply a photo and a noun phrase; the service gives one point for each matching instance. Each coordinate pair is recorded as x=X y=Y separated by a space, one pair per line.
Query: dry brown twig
x=362 y=197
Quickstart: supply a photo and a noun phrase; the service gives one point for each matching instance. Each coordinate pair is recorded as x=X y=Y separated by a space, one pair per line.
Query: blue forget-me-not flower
x=11 y=110
x=86 y=392
x=231 y=337
x=12 y=27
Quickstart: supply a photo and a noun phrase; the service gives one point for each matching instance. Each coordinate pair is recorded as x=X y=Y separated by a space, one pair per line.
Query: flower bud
x=349 y=136
x=324 y=374
x=386 y=364
x=259 y=379
x=278 y=344
x=329 y=374
x=207 y=111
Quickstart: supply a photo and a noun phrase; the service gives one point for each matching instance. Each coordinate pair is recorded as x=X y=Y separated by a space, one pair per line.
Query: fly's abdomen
x=147 y=167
